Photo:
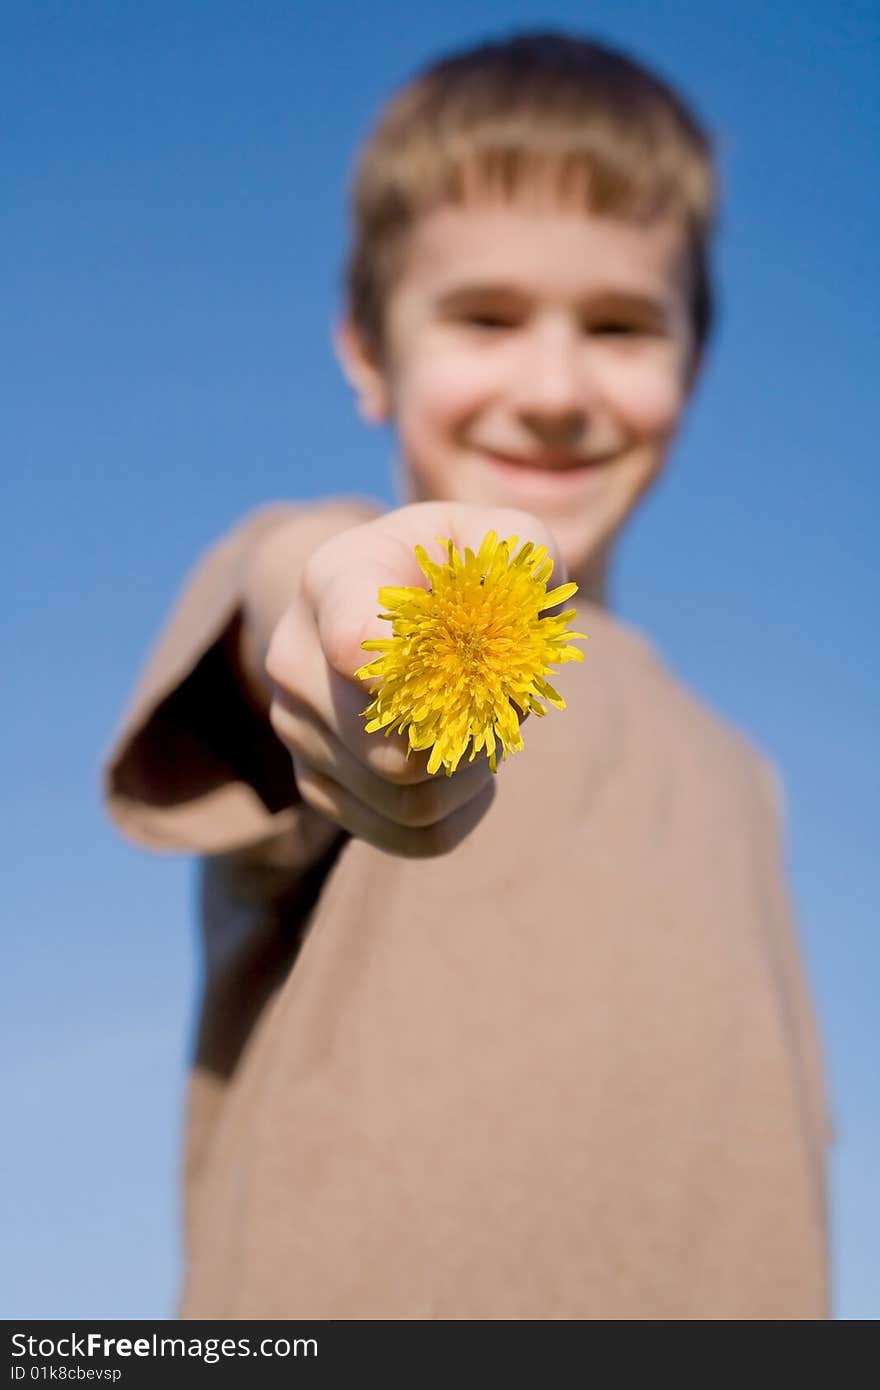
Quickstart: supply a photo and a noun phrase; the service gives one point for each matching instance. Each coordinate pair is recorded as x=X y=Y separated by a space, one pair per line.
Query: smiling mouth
x=545 y=483
x=546 y=463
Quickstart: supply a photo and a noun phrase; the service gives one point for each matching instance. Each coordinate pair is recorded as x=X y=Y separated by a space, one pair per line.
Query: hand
x=364 y=782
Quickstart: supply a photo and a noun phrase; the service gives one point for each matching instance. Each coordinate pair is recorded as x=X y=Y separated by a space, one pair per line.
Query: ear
x=362 y=372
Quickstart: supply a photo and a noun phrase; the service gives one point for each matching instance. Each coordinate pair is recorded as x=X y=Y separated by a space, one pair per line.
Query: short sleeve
x=193 y=767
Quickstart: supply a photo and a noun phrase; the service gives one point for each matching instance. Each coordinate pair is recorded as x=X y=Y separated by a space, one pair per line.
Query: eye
x=615 y=329
x=631 y=330
x=488 y=322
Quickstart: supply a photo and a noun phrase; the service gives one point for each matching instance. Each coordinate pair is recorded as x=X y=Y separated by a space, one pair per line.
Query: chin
x=584 y=547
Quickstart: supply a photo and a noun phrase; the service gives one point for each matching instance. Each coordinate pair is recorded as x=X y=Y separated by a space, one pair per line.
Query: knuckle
x=285 y=725
x=278 y=719
x=274 y=662
x=310 y=577
x=317 y=791
x=310 y=794
x=418 y=805
x=428 y=834
x=278 y=663
x=388 y=760
x=337 y=649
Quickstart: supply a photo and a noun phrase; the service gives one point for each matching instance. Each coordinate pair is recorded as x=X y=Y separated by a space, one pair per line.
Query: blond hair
x=606 y=132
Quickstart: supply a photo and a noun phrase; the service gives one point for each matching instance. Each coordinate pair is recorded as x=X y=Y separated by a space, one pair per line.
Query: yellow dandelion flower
x=469 y=652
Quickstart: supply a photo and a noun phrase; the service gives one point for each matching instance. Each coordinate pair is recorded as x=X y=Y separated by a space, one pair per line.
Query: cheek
x=441 y=390
x=647 y=396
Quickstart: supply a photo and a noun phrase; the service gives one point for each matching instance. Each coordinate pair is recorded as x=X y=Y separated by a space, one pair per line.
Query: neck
x=592 y=578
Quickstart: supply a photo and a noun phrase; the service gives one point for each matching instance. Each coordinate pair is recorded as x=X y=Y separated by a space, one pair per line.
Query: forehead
x=542 y=249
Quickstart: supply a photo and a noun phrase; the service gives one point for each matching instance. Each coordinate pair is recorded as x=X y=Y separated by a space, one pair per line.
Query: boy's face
x=536 y=358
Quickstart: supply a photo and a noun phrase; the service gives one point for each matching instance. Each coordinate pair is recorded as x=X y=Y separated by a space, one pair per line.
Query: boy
x=526 y=1046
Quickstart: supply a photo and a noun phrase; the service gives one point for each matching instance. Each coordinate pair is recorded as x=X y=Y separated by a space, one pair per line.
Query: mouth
x=546 y=474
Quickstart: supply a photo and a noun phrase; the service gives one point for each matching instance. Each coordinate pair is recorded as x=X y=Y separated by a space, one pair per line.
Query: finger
x=333 y=801
x=304 y=681
x=421 y=802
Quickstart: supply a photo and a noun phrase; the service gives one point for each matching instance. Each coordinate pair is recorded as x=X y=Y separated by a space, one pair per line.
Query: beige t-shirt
x=569 y=1070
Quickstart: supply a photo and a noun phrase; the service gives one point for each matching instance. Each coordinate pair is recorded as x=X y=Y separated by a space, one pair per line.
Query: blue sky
x=173 y=230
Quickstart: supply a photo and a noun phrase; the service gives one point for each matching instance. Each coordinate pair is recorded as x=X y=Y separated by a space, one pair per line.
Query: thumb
x=343 y=578
x=341 y=584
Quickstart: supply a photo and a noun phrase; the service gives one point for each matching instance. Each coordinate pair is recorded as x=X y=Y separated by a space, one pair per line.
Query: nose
x=552 y=394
